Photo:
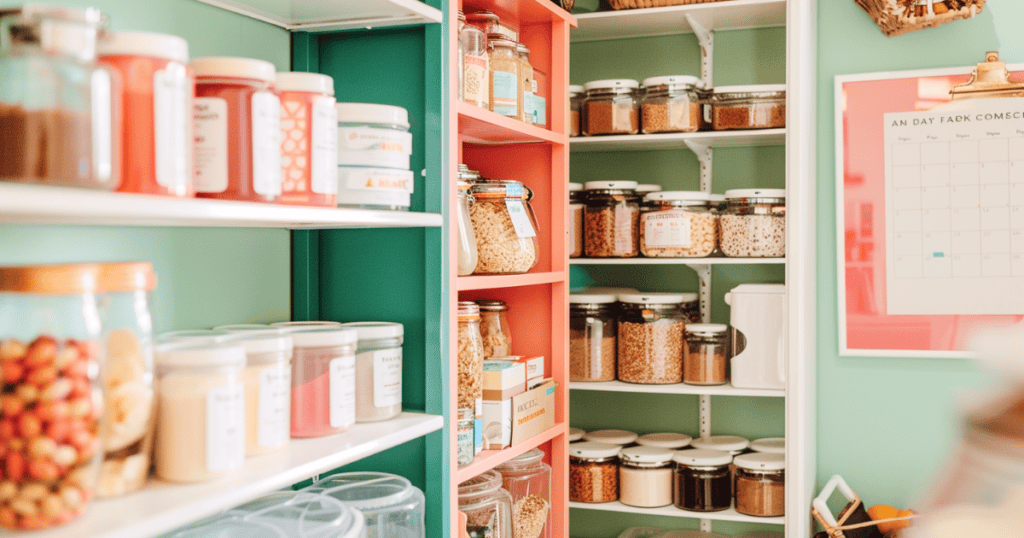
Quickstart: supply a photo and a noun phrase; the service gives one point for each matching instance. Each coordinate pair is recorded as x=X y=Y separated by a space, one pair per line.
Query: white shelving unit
x=730 y=15
x=677 y=261
x=321 y=16
x=678 y=388
x=671 y=511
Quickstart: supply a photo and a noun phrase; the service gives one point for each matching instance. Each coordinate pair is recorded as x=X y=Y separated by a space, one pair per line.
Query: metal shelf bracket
x=706 y=38
x=705 y=155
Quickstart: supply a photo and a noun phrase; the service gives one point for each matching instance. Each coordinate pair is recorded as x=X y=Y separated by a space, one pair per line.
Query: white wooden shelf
x=723 y=15
x=725 y=515
x=318 y=15
x=62 y=205
x=650 y=142
x=678 y=388
x=677 y=261
x=161 y=507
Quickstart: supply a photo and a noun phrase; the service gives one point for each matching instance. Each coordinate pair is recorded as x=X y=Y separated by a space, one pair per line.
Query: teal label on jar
x=528 y=107
x=506 y=93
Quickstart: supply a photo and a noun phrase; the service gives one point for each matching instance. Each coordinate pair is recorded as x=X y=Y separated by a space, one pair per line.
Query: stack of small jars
x=497 y=228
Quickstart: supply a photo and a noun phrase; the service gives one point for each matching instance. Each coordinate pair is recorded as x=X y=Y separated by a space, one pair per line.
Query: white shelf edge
x=645 y=142
x=677 y=261
x=671 y=20
x=671 y=511
x=415 y=12
x=678 y=388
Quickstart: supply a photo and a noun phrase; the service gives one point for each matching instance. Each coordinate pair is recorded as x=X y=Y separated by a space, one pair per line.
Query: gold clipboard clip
x=990 y=79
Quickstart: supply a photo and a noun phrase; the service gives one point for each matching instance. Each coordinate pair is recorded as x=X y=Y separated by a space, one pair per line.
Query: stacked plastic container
x=374 y=147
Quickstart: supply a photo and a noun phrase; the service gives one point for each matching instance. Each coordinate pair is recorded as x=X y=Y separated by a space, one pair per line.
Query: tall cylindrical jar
x=610 y=107
x=267 y=378
x=476 y=77
x=651 y=329
x=645 y=476
x=706 y=355
x=593 y=472
x=471 y=367
x=495 y=329
x=467 y=239
x=528 y=479
x=678 y=224
x=576 y=212
x=323 y=381
x=505 y=228
x=754 y=223
x=503 y=62
x=592 y=337
x=488 y=507
x=612 y=219
x=527 y=109
x=50 y=409
x=309 y=139
x=378 y=370
x=575 y=109
x=237 y=130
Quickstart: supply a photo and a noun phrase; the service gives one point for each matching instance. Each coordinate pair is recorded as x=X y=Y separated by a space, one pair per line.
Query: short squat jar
x=678 y=224
x=650 y=340
x=378 y=370
x=645 y=476
x=754 y=223
x=323 y=381
x=495 y=329
x=505 y=228
x=706 y=354
x=610 y=107
x=593 y=472
x=592 y=330
x=612 y=218
x=748 y=107
x=761 y=484
x=702 y=481
x=672 y=104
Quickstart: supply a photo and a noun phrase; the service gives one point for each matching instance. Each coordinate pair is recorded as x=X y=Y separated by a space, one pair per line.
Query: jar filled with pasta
x=505 y=228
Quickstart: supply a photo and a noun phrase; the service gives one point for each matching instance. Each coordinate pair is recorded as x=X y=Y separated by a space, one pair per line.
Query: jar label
x=478 y=426
x=667 y=229
x=506 y=93
x=520 y=220
x=225 y=428
x=102 y=127
x=266 y=144
x=540 y=109
x=210 y=121
x=171 y=96
x=624 y=242
x=476 y=86
x=374 y=158
x=342 y=372
x=531 y=114
x=274 y=401
x=373 y=138
x=323 y=175
x=376 y=178
x=387 y=377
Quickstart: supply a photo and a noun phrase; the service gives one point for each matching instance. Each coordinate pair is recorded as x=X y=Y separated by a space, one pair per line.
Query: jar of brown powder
x=612 y=219
x=748 y=107
x=592 y=337
x=761 y=484
x=593 y=472
x=706 y=355
x=506 y=92
x=610 y=107
x=672 y=104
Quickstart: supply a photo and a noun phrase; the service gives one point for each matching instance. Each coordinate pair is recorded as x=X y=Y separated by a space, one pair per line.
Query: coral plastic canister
x=390 y=504
x=309 y=139
x=156 y=111
x=323 y=381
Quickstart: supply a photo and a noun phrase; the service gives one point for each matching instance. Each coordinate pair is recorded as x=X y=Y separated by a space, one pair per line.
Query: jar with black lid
x=612 y=219
x=702 y=481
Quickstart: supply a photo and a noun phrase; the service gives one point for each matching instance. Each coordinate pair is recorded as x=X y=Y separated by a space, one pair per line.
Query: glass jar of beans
x=610 y=107
x=611 y=219
x=761 y=484
x=650 y=339
x=672 y=104
x=678 y=224
x=593 y=472
x=592 y=337
x=706 y=355
x=753 y=223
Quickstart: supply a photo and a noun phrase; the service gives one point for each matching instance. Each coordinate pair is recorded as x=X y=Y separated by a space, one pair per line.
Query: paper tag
x=342 y=372
x=171 y=97
x=387 y=377
x=528 y=105
x=520 y=220
x=272 y=421
x=624 y=229
x=476 y=83
x=210 y=120
x=266 y=144
x=225 y=428
x=667 y=229
x=371 y=138
x=324 y=171
x=379 y=178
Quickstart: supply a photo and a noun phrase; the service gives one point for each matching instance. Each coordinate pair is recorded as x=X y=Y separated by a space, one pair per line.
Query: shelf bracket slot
x=706 y=38
x=705 y=155
x=705 y=525
x=703 y=271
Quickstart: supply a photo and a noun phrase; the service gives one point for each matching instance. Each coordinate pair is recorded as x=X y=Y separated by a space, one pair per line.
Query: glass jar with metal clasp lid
x=753 y=224
x=505 y=228
x=672 y=104
x=610 y=107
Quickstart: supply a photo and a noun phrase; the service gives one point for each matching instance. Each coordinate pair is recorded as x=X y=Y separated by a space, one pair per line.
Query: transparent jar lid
x=500 y=40
x=371 y=492
x=706 y=329
x=485 y=483
x=761 y=461
x=616 y=85
x=529 y=457
x=611 y=437
x=696 y=457
x=670 y=440
x=304 y=513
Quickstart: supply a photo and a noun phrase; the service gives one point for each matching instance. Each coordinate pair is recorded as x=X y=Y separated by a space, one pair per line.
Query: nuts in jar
x=610 y=107
x=678 y=224
x=650 y=338
x=672 y=104
x=593 y=472
x=754 y=223
x=706 y=355
x=504 y=226
x=612 y=219
x=748 y=107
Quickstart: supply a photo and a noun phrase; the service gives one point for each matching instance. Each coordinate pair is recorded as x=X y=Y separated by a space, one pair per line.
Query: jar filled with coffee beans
x=672 y=104
x=610 y=107
x=612 y=219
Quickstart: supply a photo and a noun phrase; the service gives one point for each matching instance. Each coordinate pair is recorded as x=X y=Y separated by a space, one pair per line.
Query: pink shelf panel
x=489 y=459
x=468 y=283
x=481 y=126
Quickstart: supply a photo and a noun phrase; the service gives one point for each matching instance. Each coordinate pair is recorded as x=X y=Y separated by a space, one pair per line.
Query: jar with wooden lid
x=576 y=210
x=678 y=224
x=748 y=107
x=610 y=107
x=506 y=92
x=592 y=329
x=575 y=108
x=505 y=228
x=494 y=329
x=753 y=224
x=611 y=219
x=702 y=480
x=527 y=110
x=650 y=339
x=672 y=104
x=706 y=355
x=645 y=476
x=761 y=484
x=593 y=472
x=674 y=441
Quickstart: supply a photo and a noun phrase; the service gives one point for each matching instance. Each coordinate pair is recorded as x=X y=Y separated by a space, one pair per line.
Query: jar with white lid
x=612 y=437
x=645 y=476
x=576 y=209
x=610 y=107
x=672 y=104
x=298 y=513
x=678 y=224
x=703 y=481
x=650 y=339
x=237 y=130
x=488 y=507
x=505 y=228
x=309 y=139
x=592 y=329
x=374 y=149
x=593 y=472
x=644 y=189
x=528 y=479
x=267 y=379
x=753 y=223
x=390 y=505
x=576 y=434
x=250 y=328
x=197 y=336
x=575 y=107
x=748 y=107
x=200 y=426
x=323 y=381
x=378 y=370
x=761 y=484
x=707 y=354
x=611 y=219
x=674 y=441
x=466 y=237
x=730 y=444
x=769 y=445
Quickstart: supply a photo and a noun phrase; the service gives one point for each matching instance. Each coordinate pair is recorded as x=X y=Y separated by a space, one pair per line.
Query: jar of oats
x=672 y=104
x=612 y=217
x=610 y=107
x=753 y=223
x=575 y=104
x=678 y=224
x=651 y=338
x=592 y=337
x=505 y=228
x=576 y=229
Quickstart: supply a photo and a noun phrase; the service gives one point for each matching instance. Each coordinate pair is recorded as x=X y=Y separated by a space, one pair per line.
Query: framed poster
x=912 y=170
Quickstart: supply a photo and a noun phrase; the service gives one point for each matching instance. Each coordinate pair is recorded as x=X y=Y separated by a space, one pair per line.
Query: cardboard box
x=534 y=365
x=503 y=379
x=511 y=421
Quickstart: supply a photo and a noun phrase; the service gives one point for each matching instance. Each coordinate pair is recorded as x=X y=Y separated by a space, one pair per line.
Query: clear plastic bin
x=390 y=504
x=528 y=479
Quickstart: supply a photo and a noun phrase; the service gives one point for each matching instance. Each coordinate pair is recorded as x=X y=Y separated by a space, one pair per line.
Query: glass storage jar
x=650 y=339
x=576 y=434
x=753 y=223
x=593 y=472
x=612 y=437
x=471 y=367
x=309 y=139
x=55 y=103
x=487 y=506
x=466 y=436
x=485 y=21
x=769 y=445
x=527 y=110
x=611 y=219
x=467 y=239
x=576 y=229
x=748 y=107
x=51 y=353
x=703 y=482
x=505 y=228
x=761 y=484
x=672 y=104
x=575 y=108
x=323 y=380
x=678 y=224
x=378 y=370
x=390 y=504
x=610 y=107
x=475 y=72
x=506 y=90
x=528 y=479
x=267 y=379
x=706 y=355
x=592 y=329
x=494 y=329
x=674 y=441
x=645 y=476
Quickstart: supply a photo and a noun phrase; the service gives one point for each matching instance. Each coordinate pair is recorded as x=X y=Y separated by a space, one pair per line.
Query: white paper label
x=379 y=178
x=667 y=229
x=324 y=171
x=273 y=415
x=225 y=428
x=102 y=126
x=343 y=391
x=171 y=97
x=387 y=377
x=211 y=149
x=266 y=144
x=371 y=138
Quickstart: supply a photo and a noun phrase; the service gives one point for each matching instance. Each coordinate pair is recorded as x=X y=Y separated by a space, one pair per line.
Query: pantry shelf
x=525 y=11
x=160 y=506
x=317 y=16
x=467 y=283
x=678 y=388
x=489 y=459
x=60 y=205
x=714 y=16
x=651 y=142
x=677 y=261
x=480 y=126
x=725 y=515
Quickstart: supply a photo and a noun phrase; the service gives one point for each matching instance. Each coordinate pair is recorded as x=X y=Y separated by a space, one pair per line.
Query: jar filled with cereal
x=593 y=472
x=505 y=228
x=672 y=104
x=706 y=355
x=494 y=329
x=471 y=366
x=576 y=211
x=612 y=218
x=754 y=223
x=575 y=106
x=528 y=479
x=592 y=337
x=650 y=340
x=610 y=107
x=678 y=224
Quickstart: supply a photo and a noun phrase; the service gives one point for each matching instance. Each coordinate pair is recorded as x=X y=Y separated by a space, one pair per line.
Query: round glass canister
x=267 y=378
x=645 y=476
x=390 y=504
x=575 y=107
x=503 y=62
x=467 y=239
x=748 y=107
x=674 y=441
x=593 y=472
x=378 y=370
x=702 y=480
x=592 y=329
x=576 y=434
x=706 y=355
x=487 y=506
x=471 y=367
x=576 y=209
x=754 y=223
x=295 y=513
x=769 y=445
x=309 y=139
x=672 y=104
x=612 y=219
x=505 y=228
x=323 y=381
x=494 y=329
x=650 y=340
x=761 y=484
x=610 y=107
x=51 y=354
x=528 y=479
x=611 y=437
x=678 y=224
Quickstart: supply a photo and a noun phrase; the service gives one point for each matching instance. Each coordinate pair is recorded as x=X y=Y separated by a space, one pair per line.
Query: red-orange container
x=309 y=139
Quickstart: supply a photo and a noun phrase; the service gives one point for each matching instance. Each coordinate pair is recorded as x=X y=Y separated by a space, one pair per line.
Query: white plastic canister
x=759 y=328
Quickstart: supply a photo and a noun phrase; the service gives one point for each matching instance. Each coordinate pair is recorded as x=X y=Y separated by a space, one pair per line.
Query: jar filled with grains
x=621 y=438
x=528 y=479
x=505 y=228
x=645 y=476
x=761 y=484
x=494 y=328
x=702 y=481
x=592 y=337
x=471 y=363
x=475 y=71
x=527 y=112
x=650 y=338
x=672 y=104
x=576 y=209
x=674 y=441
x=575 y=105
x=754 y=223
x=506 y=95
x=678 y=224
x=748 y=107
x=593 y=472
x=610 y=107
x=706 y=355
x=612 y=219
x=488 y=507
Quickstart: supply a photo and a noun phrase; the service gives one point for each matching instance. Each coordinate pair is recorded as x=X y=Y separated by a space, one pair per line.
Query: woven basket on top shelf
x=639 y=4
x=896 y=17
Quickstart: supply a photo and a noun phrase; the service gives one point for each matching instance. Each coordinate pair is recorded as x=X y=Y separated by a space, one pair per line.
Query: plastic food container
x=612 y=218
x=528 y=479
x=761 y=484
x=467 y=239
x=323 y=381
x=593 y=472
x=378 y=370
x=576 y=434
x=769 y=445
x=199 y=384
x=505 y=228
x=674 y=441
x=487 y=506
x=672 y=104
x=748 y=107
x=390 y=504
x=237 y=130
x=374 y=148
x=754 y=223
x=650 y=340
x=703 y=482
x=678 y=224
x=156 y=111
x=51 y=353
x=576 y=209
x=267 y=379
x=494 y=329
x=610 y=107
x=575 y=107
x=611 y=437
x=309 y=139
x=645 y=476
x=706 y=355
x=293 y=513
x=592 y=328
x=471 y=367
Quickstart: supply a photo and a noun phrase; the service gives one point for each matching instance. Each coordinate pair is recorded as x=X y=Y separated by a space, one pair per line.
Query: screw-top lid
x=725 y=443
x=706 y=329
x=324 y=337
x=674 y=80
x=611 y=437
x=165 y=46
x=672 y=196
x=653 y=298
x=198 y=355
x=200 y=336
x=259 y=343
x=303 y=325
x=575 y=187
x=576 y=434
x=673 y=441
x=770 y=445
x=594 y=450
x=645 y=188
x=646 y=454
x=696 y=457
x=247 y=68
x=372 y=113
x=575 y=89
x=610 y=185
x=734 y=194
x=754 y=88
x=611 y=84
x=65 y=279
x=488 y=305
x=373 y=330
x=591 y=298
x=128 y=276
x=761 y=461
x=294 y=81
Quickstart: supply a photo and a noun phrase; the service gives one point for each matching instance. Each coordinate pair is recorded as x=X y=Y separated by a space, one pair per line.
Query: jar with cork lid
x=610 y=107
x=706 y=354
x=672 y=104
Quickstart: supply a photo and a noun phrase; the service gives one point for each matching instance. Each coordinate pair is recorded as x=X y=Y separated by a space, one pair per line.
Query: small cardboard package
x=511 y=421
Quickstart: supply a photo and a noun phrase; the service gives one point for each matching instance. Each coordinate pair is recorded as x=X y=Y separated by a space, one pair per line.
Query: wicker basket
x=640 y=4
x=896 y=17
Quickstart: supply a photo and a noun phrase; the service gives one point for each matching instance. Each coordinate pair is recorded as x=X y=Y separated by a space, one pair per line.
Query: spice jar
x=651 y=339
x=592 y=328
x=51 y=353
x=703 y=482
x=610 y=107
x=309 y=139
x=494 y=329
x=611 y=437
x=237 y=130
x=674 y=441
x=389 y=503
x=761 y=484
x=487 y=506
x=754 y=223
x=267 y=379
x=528 y=479
x=612 y=218
x=466 y=238
x=378 y=370
x=593 y=472
x=506 y=91
x=323 y=380
x=156 y=111
x=527 y=108
x=690 y=307
x=471 y=367
x=55 y=112
x=465 y=436
x=672 y=104
x=576 y=434
x=748 y=107
x=505 y=228
x=575 y=107
x=475 y=71
x=769 y=445
x=645 y=476
x=576 y=229
x=678 y=224
x=706 y=355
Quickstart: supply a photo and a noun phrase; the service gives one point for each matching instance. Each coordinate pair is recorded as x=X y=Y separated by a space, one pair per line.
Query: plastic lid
x=372 y=113
x=576 y=434
x=575 y=187
x=674 y=441
x=654 y=298
x=761 y=461
x=759 y=288
x=591 y=298
x=369 y=491
x=61 y=279
x=675 y=80
x=611 y=84
x=696 y=196
x=604 y=290
x=754 y=88
x=372 y=330
x=610 y=185
x=251 y=328
x=755 y=193
x=324 y=337
x=199 y=355
x=611 y=437
x=227 y=527
x=647 y=187
x=303 y=325
x=304 y=513
x=166 y=46
x=771 y=445
x=706 y=328
x=575 y=89
x=717 y=197
x=220 y=66
x=646 y=454
x=255 y=343
x=690 y=297
x=696 y=457
x=594 y=450
x=294 y=81
x=197 y=336
x=725 y=443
